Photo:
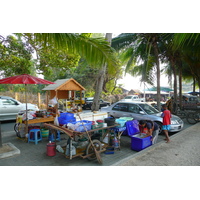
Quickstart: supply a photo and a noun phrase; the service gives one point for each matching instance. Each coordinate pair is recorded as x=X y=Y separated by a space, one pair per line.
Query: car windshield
x=90 y=99
x=128 y=97
x=149 y=109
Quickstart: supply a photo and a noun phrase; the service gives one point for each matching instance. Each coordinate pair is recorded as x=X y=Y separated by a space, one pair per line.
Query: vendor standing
x=152 y=129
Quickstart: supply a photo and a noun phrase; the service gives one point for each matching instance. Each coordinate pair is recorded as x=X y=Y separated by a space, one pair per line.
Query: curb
x=13 y=152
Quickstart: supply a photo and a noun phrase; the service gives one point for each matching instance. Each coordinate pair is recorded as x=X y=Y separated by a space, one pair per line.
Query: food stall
x=61 y=89
x=67 y=89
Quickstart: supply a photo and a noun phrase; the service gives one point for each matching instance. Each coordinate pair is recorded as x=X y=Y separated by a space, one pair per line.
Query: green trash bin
x=44 y=132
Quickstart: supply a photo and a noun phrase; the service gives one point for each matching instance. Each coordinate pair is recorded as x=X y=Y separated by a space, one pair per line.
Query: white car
x=133 y=98
x=141 y=111
x=10 y=107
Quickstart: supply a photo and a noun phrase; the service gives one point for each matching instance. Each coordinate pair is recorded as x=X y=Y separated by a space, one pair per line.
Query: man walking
x=166 y=115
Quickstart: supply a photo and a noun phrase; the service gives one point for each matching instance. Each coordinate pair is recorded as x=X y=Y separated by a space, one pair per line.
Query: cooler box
x=137 y=143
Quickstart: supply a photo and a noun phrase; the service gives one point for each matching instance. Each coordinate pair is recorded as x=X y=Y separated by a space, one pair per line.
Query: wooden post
x=47 y=99
x=39 y=100
x=16 y=95
x=0 y=136
x=81 y=99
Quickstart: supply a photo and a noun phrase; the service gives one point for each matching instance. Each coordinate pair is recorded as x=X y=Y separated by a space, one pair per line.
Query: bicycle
x=193 y=117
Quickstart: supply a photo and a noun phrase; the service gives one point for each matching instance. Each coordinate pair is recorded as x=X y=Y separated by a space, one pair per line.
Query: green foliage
x=15 y=57
x=56 y=63
x=96 y=50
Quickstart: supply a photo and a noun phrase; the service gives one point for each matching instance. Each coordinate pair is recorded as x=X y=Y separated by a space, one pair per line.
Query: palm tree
x=133 y=44
x=100 y=80
x=96 y=51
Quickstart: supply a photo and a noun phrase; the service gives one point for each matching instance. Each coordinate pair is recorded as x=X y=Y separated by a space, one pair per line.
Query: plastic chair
x=34 y=136
x=52 y=138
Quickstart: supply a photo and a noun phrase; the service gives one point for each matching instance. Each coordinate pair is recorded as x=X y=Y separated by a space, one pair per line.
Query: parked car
x=10 y=107
x=89 y=101
x=133 y=98
x=189 y=102
x=141 y=111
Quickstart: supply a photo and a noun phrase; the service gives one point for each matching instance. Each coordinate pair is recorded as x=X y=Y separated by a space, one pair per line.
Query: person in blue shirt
x=152 y=129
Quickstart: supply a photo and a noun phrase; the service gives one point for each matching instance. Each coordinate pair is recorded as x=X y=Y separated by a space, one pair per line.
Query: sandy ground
x=183 y=150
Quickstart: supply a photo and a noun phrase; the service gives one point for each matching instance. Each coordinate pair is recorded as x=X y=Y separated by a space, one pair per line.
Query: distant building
x=124 y=91
x=134 y=91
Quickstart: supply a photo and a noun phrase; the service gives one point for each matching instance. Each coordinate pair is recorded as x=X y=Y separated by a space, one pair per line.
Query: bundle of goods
x=30 y=115
x=80 y=126
x=66 y=118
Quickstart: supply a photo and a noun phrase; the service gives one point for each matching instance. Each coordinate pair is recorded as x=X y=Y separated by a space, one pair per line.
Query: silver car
x=10 y=107
x=141 y=111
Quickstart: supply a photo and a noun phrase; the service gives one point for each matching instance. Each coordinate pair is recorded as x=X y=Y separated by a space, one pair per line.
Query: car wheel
x=159 y=127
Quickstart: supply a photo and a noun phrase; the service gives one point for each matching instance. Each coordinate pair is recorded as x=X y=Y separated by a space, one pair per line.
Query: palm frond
x=96 y=51
x=123 y=40
x=181 y=39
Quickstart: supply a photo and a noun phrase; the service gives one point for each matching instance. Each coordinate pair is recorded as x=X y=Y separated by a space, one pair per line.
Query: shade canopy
x=24 y=79
x=165 y=89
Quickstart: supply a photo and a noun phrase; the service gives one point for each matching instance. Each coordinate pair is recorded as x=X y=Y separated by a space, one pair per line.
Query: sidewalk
x=183 y=150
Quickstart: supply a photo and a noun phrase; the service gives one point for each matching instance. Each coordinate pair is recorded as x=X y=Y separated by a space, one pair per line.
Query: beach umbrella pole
x=26 y=128
x=0 y=136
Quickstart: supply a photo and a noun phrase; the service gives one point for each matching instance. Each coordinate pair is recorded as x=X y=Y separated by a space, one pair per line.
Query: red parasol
x=24 y=79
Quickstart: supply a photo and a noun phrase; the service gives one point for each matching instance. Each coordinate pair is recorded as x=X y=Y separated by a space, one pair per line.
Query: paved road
x=32 y=155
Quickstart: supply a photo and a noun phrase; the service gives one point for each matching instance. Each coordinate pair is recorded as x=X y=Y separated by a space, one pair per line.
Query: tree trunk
x=194 y=83
x=155 y=46
x=175 y=87
x=180 y=85
x=100 y=80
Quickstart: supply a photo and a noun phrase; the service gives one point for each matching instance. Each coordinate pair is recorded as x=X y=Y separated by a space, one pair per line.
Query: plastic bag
x=56 y=121
x=53 y=101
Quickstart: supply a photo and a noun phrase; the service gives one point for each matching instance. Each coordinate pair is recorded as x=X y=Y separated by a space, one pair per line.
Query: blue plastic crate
x=87 y=124
x=121 y=122
x=66 y=118
x=66 y=121
x=66 y=115
x=137 y=144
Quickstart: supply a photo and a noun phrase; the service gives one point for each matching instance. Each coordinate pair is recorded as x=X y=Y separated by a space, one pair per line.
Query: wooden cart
x=88 y=152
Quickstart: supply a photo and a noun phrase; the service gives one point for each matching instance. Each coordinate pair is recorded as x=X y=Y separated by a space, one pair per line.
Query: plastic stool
x=51 y=137
x=34 y=136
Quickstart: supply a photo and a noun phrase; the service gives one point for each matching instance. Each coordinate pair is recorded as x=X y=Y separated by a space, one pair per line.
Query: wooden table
x=39 y=120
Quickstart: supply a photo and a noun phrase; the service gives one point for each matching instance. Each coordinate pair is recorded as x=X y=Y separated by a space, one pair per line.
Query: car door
x=119 y=110
x=9 y=108
x=135 y=111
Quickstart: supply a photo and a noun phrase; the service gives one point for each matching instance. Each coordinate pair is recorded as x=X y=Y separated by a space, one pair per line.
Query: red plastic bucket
x=51 y=149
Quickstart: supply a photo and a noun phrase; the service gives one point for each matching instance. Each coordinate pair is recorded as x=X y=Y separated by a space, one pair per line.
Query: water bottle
x=115 y=142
